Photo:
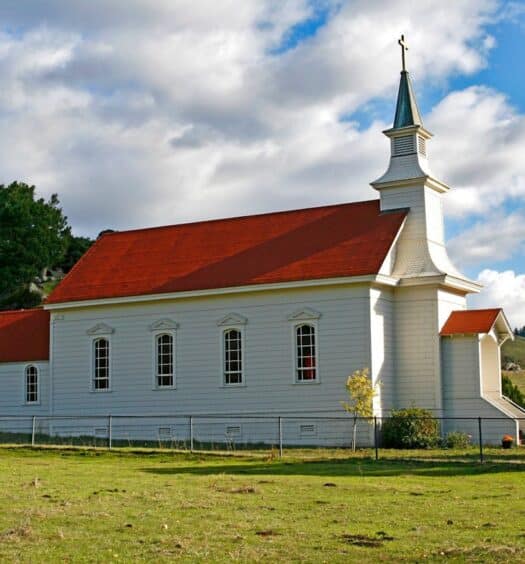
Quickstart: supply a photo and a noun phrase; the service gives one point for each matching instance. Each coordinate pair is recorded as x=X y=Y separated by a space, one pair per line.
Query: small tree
x=361 y=393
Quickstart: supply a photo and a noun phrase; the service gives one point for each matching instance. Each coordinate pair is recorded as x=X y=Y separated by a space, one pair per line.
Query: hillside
x=514 y=351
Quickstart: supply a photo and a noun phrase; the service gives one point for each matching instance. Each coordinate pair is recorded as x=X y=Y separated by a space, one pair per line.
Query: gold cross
x=404 y=47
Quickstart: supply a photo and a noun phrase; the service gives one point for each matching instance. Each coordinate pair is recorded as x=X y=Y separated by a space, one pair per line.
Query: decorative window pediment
x=100 y=329
x=304 y=314
x=163 y=325
x=232 y=319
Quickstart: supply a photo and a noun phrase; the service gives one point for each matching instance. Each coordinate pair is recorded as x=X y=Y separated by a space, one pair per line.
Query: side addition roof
x=476 y=321
x=24 y=335
x=315 y=243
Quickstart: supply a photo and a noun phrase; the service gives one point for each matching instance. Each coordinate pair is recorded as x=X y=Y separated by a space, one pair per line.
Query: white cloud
x=141 y=113
x=479 y=147
x=498 y=238
x=503 y=289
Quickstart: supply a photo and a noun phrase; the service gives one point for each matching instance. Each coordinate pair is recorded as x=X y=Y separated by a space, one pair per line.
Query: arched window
x=305 y=355
x=31 y=381
x=164 y=360
x=232 y=356
x=101 y=364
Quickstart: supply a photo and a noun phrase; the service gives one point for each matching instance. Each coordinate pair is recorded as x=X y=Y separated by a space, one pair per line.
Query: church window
x=31 y=384
x=101 y=364
x=233 y=357
x=164 y=360
x=306 y=355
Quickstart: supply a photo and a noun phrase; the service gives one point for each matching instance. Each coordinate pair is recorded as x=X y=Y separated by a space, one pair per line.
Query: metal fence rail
x=228 y=432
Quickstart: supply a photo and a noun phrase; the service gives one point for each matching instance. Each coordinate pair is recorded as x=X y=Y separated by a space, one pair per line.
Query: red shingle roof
x=472 y=321
x=315 y=243
x=24 y=335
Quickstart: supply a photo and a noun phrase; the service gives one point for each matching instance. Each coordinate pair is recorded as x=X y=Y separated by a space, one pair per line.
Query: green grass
x=94 y=506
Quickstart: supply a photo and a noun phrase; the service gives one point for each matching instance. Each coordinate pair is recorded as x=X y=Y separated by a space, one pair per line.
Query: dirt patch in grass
x=17 y=533
x=369 y=541
x=481 y=553
x=267 y=533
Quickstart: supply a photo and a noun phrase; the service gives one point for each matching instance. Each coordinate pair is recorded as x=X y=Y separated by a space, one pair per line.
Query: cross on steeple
x=404 y=47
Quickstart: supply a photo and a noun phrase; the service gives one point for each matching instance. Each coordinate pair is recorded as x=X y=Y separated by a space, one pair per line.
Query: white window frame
x=37 y=368
x=156 y=335
x=305 y=316
x=237 y=322
x=241 y=331
x=94 y=339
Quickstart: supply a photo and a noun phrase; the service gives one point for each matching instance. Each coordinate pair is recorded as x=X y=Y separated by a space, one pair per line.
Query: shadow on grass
x=342 y=468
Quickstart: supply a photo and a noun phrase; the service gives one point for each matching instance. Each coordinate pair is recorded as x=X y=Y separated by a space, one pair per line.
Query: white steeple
x=409 y=183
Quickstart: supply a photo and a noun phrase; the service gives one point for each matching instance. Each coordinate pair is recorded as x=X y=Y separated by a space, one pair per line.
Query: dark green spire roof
x=407 y=112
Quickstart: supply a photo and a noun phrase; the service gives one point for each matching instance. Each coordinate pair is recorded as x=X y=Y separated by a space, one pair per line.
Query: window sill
x=306 y=382
x=100 y=391
x=31 y=403
x=163 y=388
x=242 y=385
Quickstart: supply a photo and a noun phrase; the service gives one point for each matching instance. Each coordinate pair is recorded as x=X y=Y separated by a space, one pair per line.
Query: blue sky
x=142 y=113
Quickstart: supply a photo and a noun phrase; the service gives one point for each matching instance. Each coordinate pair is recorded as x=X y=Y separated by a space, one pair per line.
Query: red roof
x=24 y=335
x=472 y=321
x=325 y=242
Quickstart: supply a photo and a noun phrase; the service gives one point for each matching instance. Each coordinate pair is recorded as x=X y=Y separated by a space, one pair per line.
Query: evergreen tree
x=33 y=234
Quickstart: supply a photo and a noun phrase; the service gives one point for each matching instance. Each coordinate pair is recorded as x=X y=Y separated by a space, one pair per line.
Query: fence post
x=375 y=438
x=280 y=437
x=33 y=431
x=191 y=433
x=480 y=434
x=110 y=431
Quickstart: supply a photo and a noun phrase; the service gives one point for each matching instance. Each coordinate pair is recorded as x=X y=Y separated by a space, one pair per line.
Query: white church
x=269 y=314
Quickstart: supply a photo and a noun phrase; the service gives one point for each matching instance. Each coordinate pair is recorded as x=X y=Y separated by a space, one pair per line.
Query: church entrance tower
x=428 y=286
x=409 y=183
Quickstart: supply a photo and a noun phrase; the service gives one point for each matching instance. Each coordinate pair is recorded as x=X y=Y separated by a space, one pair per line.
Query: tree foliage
x=75 y=248
x=361 y=393
x=33 y=234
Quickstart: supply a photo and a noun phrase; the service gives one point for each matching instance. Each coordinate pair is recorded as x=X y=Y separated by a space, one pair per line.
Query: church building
x=270 y=313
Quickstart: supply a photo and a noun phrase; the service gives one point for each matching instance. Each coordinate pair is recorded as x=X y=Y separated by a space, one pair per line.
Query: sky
x=140 y=113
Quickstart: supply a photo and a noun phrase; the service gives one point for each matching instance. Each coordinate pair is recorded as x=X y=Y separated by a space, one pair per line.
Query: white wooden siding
x=417 y=363
x=382 y=348
x=343 y=346
x=12 y=389
x=462 y=392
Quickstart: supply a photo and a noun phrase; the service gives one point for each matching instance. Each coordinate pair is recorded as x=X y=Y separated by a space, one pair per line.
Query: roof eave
x=376 y=279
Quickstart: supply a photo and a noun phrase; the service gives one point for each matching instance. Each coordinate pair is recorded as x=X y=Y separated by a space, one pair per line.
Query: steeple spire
x=409 y=183
x=407 y=112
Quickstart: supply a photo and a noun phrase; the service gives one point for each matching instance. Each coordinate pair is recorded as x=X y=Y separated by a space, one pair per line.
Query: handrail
x=513 y=403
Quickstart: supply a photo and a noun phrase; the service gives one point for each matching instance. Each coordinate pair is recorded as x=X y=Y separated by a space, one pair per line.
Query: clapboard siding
x=382 y=354
x=461 y=370
x=462 y=394
x=417 y=348
x=343 y=346
x=12 y=389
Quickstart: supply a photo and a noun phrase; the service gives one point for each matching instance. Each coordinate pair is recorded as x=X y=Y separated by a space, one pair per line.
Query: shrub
x=510 y=390
x=457 y=439
x=412 y=427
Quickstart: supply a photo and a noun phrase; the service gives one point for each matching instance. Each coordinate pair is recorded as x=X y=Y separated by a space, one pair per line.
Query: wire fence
x=275 y=433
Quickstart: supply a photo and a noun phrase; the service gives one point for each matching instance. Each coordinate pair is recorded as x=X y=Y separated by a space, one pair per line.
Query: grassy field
x=514 y=350
x=94 y=506
x=518 y=378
